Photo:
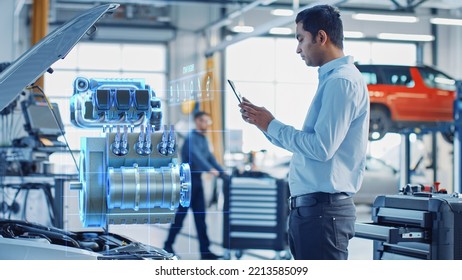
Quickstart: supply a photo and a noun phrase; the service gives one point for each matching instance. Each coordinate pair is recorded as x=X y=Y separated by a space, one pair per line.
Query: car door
x=406 y=99
x=441 y=89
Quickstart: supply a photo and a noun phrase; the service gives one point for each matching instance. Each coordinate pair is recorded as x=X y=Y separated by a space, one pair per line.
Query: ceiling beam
x=234 y=14
x=159 y=2
x=410 y=5
x=264 y=28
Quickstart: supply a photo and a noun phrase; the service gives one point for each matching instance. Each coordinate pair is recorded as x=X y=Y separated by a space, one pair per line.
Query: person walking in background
x=196 y=152
x=329 y=152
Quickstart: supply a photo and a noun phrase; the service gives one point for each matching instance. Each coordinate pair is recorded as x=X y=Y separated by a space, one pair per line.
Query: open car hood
x=21 y=240
x=56 y=45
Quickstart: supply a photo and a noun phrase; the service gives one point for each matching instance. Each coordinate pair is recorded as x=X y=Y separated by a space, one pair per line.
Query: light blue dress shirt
x=329 y=153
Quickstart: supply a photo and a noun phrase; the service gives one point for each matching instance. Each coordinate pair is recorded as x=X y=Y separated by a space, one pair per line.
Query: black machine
x=415 y=226
x=255 y=214
x=27 y=154
x=42 y=122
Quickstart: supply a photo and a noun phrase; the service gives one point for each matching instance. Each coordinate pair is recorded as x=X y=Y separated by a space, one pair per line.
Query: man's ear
x=322 y=35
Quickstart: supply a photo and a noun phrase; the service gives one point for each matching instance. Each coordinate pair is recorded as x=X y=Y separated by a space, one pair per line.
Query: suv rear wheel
x=379 y=123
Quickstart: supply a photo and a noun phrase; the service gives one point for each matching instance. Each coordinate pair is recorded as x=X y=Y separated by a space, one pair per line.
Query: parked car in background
x=380 y=178
x=408 y=97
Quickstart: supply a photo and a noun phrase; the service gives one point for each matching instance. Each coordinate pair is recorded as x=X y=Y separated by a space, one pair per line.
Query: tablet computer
x=236 y=93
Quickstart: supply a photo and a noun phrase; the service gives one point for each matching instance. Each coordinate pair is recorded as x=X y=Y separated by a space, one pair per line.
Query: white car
x=21 y=240
x=379 y=179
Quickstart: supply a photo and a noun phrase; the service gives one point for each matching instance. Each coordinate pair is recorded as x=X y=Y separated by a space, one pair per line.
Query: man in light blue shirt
x=329 y=152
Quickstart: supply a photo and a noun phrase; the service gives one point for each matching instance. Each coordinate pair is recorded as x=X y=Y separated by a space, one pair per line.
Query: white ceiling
x=197 y=15
x=438 y=4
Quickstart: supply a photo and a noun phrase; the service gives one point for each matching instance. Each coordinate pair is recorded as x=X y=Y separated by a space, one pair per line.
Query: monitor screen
x=41 y=119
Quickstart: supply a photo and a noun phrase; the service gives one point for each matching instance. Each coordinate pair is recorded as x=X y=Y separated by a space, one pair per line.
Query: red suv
x=407 y=97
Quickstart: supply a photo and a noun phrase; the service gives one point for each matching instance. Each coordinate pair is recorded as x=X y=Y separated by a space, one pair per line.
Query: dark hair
x=199 y=114
x=323 y=17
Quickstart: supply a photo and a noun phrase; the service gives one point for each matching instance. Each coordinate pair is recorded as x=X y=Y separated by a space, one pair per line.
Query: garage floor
x=186 y=245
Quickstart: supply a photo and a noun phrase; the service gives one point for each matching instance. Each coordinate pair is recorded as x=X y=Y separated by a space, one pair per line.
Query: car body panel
x=408 y=97
x=410 y=100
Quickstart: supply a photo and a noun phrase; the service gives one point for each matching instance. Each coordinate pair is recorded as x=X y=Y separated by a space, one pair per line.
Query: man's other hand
x=259 y=116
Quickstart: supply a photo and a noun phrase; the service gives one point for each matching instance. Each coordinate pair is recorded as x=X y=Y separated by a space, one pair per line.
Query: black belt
x=312 y=199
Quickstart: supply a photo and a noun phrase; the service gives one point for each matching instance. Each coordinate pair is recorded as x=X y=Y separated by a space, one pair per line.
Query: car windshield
x=398 y=76
x=436 y=79
x=370 y=77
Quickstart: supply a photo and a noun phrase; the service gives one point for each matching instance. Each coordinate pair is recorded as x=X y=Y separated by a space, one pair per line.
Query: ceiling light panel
x=282 y=12
x=406 y=37
x=280 y=31
x=446 y=21
x=353 y=34
x=386 y=18
x=242 y=29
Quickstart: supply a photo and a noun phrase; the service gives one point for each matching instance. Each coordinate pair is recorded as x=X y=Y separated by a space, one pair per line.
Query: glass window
x=140 y=57
x=60 y=82
x=289 y=66
x=381 y=52
x=436 y=79
x=399 y=76
x=104 y=60
x=100 y=56
x=270 y=73
x=253 y=60
x=361 y=51
x=393 y=53
x=370 y=77
x=370 y=74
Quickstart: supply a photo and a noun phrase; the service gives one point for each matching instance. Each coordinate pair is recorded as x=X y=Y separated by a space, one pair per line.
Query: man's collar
x=329 y=66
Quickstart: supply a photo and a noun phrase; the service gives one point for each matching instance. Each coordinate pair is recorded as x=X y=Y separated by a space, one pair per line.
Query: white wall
x=6 y=33
x=450 y=50
x=15 y=34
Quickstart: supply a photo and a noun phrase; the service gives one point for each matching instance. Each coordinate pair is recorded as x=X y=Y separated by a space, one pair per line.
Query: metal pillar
x=405 y=161
x=457 y=139
x=434 y=52
x=435 y=156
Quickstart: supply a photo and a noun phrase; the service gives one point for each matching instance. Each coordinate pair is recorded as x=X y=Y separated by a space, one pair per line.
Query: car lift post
x=457 y=138
x=405 y=160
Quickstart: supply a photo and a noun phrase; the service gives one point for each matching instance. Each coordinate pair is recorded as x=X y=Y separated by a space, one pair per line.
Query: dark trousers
x=322 y=231
x=198 y=207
